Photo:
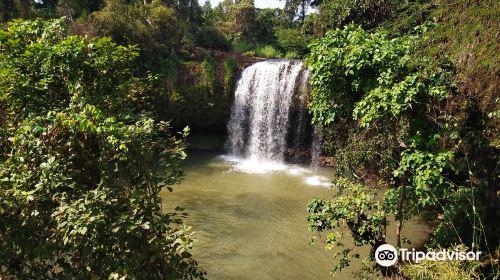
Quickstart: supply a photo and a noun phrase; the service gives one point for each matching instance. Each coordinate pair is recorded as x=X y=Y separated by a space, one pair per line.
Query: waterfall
x=270 y=122
x=260 y=121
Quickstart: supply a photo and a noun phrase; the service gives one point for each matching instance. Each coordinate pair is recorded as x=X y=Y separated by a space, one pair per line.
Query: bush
x=155 y=28
x=230 y=69
x=82 y=170
x=443 y=270
x=242 y=46
x=249 y=53
x=293 y=40
x=292 y=55
x=209 y=73
x=209 y=37
x=436 y=159
x=268 y=52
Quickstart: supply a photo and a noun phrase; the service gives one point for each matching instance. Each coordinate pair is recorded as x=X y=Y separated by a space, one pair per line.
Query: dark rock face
x=325 y=161
x=203 y=111
x=298 y=155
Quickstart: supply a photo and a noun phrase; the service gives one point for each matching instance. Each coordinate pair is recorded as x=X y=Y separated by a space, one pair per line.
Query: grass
x=468 y=33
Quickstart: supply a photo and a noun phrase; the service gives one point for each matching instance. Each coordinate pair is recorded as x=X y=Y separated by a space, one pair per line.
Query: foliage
x=197 y=95
x=209 y=73
x=267 y=21
x=211 y=38
x=250 y=29
x=242 y=46
x=354 y=210
x=250 y=53
x=348 y=61
x=377 y=86
x=10 y=9
x=235 y=19
x=394 y=111
x=230 y=70
x=83 y=167
x=243 y=13
x=453 y=270
x=367 y=13
x=424 y=175
x=475 y=35
x=154 y=27
x=360 y=156
x=467 y=35
x=292 y=55
x=295 y=8
x=268 y=52
x=292 y=40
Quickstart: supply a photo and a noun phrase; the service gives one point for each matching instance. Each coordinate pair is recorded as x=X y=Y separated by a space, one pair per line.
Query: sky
x=258 y=3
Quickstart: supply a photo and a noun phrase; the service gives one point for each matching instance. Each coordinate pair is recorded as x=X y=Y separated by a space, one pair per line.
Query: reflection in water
x=253 y=225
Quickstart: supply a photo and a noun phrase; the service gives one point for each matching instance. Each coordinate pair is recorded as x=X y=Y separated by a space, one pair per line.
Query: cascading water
x=260 y=116
x=269 y=121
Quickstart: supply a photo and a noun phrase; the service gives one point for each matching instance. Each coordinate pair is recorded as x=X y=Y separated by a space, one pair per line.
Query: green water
x=253 y=226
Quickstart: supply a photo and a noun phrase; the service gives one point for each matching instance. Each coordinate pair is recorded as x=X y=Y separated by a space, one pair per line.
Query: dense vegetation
x=399 y=118
x=405 y=93
x=82 y=164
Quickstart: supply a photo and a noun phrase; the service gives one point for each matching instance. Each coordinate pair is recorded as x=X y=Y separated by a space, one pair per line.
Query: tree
x=10 y=9
x=207 y=11
x=355 y=212
x=242 y=14
x=294 y=8
x=236 y=19
x=154 y=27
x=367 y=13
x=82 y=164
x=380 y=87
x=292 y=40
x=71 y=9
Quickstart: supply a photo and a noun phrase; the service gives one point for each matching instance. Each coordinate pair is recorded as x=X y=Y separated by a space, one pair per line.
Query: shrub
x=293 y=40
x=82 y=170
x=211 y=38
x=242 y=46
x=268 y=52
x=230 y=69
x=437 y=160
x=292 y=55
x=249 y=53
x=209 y=73
x=443 y=270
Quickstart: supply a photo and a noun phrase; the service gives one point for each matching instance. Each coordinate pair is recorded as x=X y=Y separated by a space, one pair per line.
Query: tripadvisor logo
x=387 y=255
